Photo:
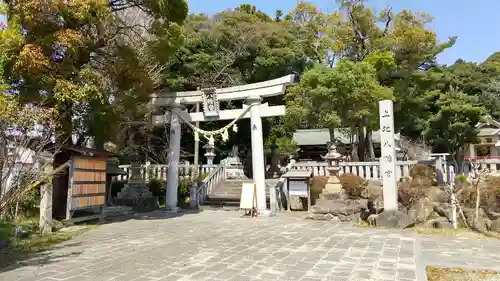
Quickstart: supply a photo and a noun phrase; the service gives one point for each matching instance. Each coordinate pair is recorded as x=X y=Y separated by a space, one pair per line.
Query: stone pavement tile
x=162 y=272
x=219 y=245
x=227 y=274
x=218 y=267
x=189 y=270
x=293 y=275
x=311 y=279
x=173 y=277
x=408 y=274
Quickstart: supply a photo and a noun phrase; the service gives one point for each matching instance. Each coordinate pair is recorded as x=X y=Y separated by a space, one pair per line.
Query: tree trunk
x=361 y=144
x=354 y=146
x=478 y=200
x=3 y=156
x=369 y=143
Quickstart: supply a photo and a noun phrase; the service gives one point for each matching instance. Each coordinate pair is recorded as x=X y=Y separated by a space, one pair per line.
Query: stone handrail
x=206 y=186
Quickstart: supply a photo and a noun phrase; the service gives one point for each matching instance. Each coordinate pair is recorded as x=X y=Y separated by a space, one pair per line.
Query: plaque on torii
x=210 y=102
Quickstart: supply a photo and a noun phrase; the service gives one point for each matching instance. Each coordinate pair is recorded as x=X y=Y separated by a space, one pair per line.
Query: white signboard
x=248 y=199
x=297 y=188
x=388 y=155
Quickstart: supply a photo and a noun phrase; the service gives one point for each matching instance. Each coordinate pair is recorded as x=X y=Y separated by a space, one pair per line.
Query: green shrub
x=352 y=184
x=184 y=187
x=6 y=230
x=116 y=187
x=157 y=187
x=4 y=234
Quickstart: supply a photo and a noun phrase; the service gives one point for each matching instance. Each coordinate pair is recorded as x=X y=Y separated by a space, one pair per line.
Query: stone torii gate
x=210 y=98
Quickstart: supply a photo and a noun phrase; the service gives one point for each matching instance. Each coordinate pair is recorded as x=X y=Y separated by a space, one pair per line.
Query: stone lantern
x=333 y=187
x=135 y=168
x=210 y=153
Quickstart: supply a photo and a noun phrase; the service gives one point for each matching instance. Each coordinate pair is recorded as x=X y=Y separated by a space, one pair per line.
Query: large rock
x=330 y=194
x=345 y=210
x=421 y=210
x=483 y=222
x=436 y=194
x=377 y=205
x=296 y=203
x=495 y=225
x=442 y=223
x=372 y=192
x=391 y=219
x=443 y=210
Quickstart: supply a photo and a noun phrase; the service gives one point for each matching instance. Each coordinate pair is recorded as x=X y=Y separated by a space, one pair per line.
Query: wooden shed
x=81 y=187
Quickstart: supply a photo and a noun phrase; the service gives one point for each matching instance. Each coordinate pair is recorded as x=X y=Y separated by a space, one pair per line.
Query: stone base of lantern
x=333 y=188
x=137 y=196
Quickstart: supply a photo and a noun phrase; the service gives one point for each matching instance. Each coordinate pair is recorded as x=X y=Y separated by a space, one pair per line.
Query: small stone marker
x=388 y=155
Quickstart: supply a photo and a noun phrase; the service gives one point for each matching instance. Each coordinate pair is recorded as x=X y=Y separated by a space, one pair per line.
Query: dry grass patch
x=460 y=232
x=448 y=274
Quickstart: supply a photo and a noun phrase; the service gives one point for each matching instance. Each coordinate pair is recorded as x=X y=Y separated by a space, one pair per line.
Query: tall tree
x=454 y=125
x=59 y=52
x=346 y=95
x=399 y=45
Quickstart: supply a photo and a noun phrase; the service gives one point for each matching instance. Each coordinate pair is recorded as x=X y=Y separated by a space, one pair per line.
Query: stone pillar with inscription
x=388 y=155
x=391 y=216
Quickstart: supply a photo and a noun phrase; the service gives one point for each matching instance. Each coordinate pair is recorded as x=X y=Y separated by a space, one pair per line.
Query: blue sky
x=476 y=23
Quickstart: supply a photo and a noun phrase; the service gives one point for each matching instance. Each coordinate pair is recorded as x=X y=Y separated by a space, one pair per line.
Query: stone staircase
x=227 y=194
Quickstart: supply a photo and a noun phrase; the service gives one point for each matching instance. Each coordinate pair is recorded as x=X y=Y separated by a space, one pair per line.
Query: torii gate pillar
x=173 y=160
x=258 y=169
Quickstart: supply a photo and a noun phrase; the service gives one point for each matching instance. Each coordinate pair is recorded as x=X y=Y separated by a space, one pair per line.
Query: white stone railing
x=159 y=171
x=491 y=163
x=366 y=170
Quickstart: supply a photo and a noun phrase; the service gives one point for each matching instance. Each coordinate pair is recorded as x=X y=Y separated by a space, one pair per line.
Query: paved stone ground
x=466 y=253
x=218 y=245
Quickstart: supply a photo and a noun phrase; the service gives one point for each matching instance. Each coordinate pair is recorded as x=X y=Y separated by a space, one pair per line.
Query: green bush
x=157 y=187
x=116 y=187
x=6 y=230
x=4 y=234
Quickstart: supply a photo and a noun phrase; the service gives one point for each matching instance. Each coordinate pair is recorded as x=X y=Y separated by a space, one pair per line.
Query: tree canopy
x=91 y=65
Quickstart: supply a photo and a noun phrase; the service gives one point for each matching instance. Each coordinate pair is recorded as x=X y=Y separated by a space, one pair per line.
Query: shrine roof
x=322 y=136
x=312 y=137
